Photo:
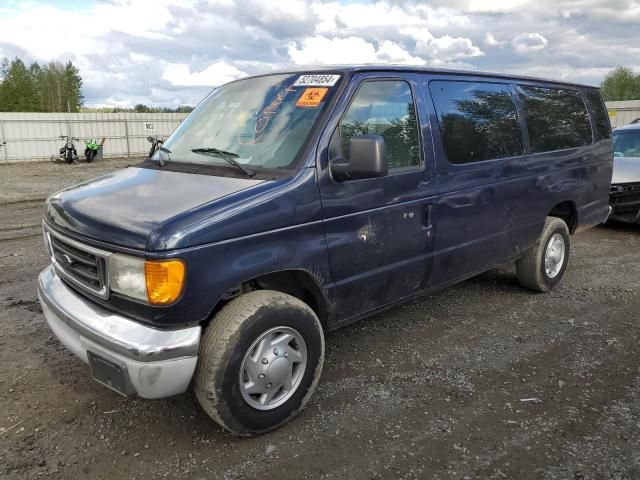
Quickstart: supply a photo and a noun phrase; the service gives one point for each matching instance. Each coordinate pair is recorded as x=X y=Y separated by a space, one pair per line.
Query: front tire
x=260 y=360
x=542 y=266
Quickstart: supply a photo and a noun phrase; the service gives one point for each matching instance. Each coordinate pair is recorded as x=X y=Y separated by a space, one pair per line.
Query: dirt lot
x=432 y=389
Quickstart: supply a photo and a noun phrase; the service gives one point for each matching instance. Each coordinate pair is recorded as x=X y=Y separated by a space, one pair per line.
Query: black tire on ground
x=229 y=337
x=530 y=268
x=90 y=156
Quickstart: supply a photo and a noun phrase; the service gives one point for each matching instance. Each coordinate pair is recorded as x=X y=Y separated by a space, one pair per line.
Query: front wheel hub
x=272 y=368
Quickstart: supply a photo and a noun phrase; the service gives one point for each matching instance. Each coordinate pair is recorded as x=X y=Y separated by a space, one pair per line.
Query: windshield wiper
x=161 y=161
x=228 y=156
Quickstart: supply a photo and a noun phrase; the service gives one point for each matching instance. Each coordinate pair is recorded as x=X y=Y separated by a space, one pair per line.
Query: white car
x=625 y=184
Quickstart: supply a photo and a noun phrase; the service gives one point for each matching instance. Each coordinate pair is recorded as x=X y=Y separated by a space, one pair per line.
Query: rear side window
x=478 y=121
x=556 y=118
x=600 y=115
x=385 y=108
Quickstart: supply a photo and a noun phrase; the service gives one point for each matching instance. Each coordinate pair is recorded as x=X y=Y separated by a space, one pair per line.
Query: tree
x=52 y=88
x=141 y=108
x=72 y=84
x=38 y=74
x=17 y=91
x=61 y=88
x=621 y=83
x=179 y=109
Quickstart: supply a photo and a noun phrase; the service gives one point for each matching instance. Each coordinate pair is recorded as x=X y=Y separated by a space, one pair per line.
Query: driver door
x=379 y=231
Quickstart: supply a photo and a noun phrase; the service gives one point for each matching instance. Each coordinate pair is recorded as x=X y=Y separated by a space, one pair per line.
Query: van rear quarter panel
x=489 y=212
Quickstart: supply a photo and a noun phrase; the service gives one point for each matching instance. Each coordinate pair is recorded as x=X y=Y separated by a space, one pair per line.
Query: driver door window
x=384 y=108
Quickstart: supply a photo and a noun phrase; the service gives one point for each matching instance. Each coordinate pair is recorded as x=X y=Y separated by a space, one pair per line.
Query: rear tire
x=542 y=266
x=245 y=352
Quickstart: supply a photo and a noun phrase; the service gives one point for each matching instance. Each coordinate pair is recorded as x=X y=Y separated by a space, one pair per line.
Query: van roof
x=422 y=69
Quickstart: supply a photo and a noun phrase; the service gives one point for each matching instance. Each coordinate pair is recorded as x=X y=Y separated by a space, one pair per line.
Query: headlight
x=126 y=276
x=157 y=281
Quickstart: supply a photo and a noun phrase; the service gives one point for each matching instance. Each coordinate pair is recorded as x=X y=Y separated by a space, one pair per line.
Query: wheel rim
x=554 y=255
x=272 y=368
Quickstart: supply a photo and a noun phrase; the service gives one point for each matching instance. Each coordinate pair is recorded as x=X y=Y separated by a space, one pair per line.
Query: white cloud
x=443 y=50
x=393 y=53
x=38 y=31
x=215 y=74
x=451 y=48
x=280 y=11
x=622 y=11
x=420 y=34
x=335 y=16
x=325 y=50
x=350 y=50
x=529 y=42
x=496 y=6
x=492 y=41
x=166 y=52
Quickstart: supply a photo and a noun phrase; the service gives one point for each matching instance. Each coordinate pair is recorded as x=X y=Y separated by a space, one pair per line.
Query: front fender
x=215 y=268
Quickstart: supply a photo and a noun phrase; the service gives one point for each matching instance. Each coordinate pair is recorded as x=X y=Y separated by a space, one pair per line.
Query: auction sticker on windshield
x=316 y=80
x=311 y=97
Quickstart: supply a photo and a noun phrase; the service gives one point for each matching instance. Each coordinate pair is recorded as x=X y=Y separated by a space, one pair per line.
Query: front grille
x=625 y=187
x=80 y=265
x=625 y=197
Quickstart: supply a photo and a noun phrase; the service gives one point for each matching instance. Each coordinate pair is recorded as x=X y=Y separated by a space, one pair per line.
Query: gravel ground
x=432 y=389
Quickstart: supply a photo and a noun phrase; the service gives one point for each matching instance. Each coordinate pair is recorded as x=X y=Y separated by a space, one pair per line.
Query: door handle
x=428 y=215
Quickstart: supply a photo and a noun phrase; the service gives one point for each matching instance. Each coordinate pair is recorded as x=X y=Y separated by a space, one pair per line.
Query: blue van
x=294 y=203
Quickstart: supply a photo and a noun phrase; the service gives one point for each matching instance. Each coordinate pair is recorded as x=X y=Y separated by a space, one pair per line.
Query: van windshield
x=258 y=123
x=626 y=144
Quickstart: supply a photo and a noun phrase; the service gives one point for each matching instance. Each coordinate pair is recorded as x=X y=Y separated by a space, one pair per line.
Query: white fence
x=35 y=136
x=622 y=113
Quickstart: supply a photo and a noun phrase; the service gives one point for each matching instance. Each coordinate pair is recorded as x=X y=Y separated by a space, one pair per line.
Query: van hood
x=626 y=170
x=126 y=206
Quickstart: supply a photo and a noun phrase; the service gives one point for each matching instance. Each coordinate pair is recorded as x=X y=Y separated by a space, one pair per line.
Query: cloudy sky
x=170 y=52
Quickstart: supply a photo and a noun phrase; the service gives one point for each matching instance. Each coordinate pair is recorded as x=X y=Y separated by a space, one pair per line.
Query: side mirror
x=368 y=159
x=150 y=139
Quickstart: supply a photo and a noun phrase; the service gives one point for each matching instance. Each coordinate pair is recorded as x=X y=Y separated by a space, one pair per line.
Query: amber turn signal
x=165 y=280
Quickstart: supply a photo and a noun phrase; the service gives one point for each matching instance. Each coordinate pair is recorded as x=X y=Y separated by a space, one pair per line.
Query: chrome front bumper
x=155 y=363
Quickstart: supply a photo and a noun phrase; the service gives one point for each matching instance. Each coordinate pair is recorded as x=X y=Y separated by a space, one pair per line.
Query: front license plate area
x=110 y=374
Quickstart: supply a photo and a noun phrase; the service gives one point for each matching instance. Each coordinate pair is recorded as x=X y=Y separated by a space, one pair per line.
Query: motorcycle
x=91 y=150
x=68 y=153
x=156 y=143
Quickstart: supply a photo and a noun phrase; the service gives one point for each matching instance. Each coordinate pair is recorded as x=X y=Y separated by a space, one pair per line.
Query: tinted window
x=384 y=108
x=478 y=121
x=600 y=115
x=556 y=118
